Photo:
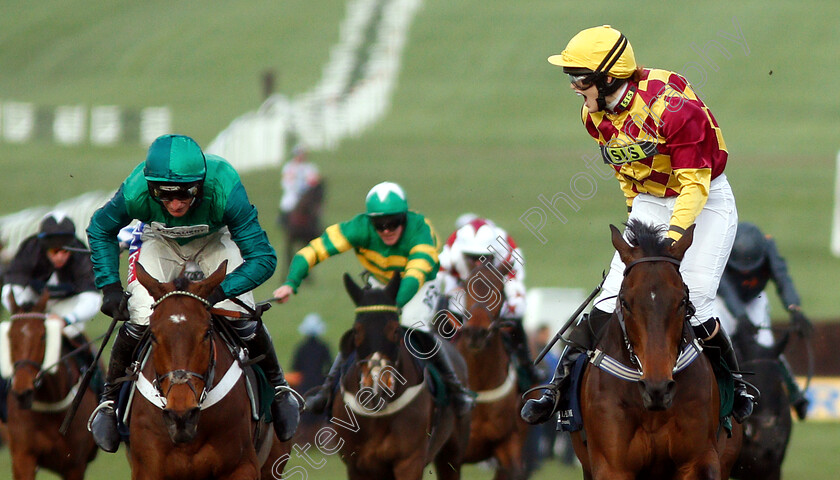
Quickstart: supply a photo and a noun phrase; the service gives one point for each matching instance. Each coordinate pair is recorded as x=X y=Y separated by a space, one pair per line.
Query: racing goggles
x=169 y=192
x=388 y=222
x=581 y=82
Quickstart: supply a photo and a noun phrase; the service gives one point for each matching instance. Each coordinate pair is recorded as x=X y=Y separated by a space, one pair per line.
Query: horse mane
x=650 y=238
x=181 y=282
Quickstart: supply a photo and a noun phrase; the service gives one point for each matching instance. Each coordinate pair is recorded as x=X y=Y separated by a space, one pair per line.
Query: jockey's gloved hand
x=216 y=296
x=801 y=322
x=115 y=301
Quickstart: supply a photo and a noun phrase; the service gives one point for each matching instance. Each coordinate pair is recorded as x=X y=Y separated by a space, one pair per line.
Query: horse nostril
x=24 y=398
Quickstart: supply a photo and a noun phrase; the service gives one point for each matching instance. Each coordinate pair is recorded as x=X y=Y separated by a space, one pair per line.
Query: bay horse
x=496 y=430
x=391 y=425
x=662 y=420
x=44 y=380
x=193 y=419
x=767 y=431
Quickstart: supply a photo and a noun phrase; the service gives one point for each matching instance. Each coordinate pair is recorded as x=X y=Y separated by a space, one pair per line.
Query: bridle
x=182 y=376
x=38 y=366
x=687 y=354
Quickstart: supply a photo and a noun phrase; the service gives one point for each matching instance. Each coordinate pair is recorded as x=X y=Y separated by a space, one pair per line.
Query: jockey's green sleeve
x=415 y=255
x=223 y=203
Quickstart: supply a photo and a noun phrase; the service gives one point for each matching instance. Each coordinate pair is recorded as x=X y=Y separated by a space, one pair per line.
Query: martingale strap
x=600 y=359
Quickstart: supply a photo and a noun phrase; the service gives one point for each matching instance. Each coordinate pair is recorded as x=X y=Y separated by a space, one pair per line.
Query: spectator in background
x=300 y=204
x=743 y=307
x=310 y=363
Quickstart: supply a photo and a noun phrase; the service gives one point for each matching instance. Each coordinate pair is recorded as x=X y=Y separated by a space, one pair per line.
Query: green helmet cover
x=386 y=198
x=175 y=159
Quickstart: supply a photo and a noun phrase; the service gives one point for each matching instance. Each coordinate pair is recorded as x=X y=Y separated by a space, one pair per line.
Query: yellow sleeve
x=694 y=191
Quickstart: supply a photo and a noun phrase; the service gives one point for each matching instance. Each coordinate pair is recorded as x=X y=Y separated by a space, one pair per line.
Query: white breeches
x=704 y=261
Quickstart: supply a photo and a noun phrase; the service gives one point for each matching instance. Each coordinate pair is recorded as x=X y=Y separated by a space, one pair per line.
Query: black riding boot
x=462 y=401
x=713 y=335
x=580 y=339
x=797 y=399
x=285 y=410
x=461 y=398
x=85 y=360
x=103 y=423
x=521 y=353
x=316 y=403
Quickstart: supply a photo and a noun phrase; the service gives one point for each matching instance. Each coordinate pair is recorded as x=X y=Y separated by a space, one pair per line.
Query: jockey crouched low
x=388 y=240
x=194 y=209
x=478 y=240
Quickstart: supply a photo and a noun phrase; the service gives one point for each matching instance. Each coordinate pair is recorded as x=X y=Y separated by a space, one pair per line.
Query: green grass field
x=479 y=122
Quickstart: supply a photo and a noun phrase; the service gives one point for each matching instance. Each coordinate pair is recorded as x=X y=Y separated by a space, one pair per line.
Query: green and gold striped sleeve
x=331 y=242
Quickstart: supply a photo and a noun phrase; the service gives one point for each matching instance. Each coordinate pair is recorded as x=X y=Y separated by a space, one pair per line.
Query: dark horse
x=660 y=421
x=391 y=426
x=767 y=430
x=190 y=416
x=45 y=380
x=303 y=223
x=496 y=430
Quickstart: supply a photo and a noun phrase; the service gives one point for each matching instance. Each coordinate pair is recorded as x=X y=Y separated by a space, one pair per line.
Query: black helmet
x=749 y=249
x=56 y=230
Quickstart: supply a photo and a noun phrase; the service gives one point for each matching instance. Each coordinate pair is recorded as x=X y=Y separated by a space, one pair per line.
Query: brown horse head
x=483 y=296
x=182 y=346
x=28 y=344
x=376 y=336
x=653 y=302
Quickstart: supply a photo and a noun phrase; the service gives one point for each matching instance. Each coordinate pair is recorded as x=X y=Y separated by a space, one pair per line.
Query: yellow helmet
x=597 y=50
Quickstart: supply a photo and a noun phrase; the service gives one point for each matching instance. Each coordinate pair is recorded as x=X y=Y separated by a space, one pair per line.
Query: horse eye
x=208 y=334
x=624 y=304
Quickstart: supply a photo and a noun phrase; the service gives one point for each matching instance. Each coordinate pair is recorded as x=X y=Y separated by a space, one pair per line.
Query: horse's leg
x=704 y=467
x=76 y=473
x=277 y=460
x=509 y=455
x=24 y=466
x=411 y=468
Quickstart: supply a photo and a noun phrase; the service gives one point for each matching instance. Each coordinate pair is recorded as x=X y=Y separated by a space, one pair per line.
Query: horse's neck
x=612 y=341
x=54 y=387
x=489 y=366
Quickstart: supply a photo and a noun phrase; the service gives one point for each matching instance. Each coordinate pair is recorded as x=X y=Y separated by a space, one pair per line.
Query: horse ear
x=208 y=284
x=151 y=284
x=393 y=285
x=13 y=306
x=41 y=306
x=354 y=290
x=624 y=249
x=679 y=247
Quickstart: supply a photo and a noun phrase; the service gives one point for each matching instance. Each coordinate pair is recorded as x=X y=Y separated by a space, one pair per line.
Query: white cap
x=312 y=325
